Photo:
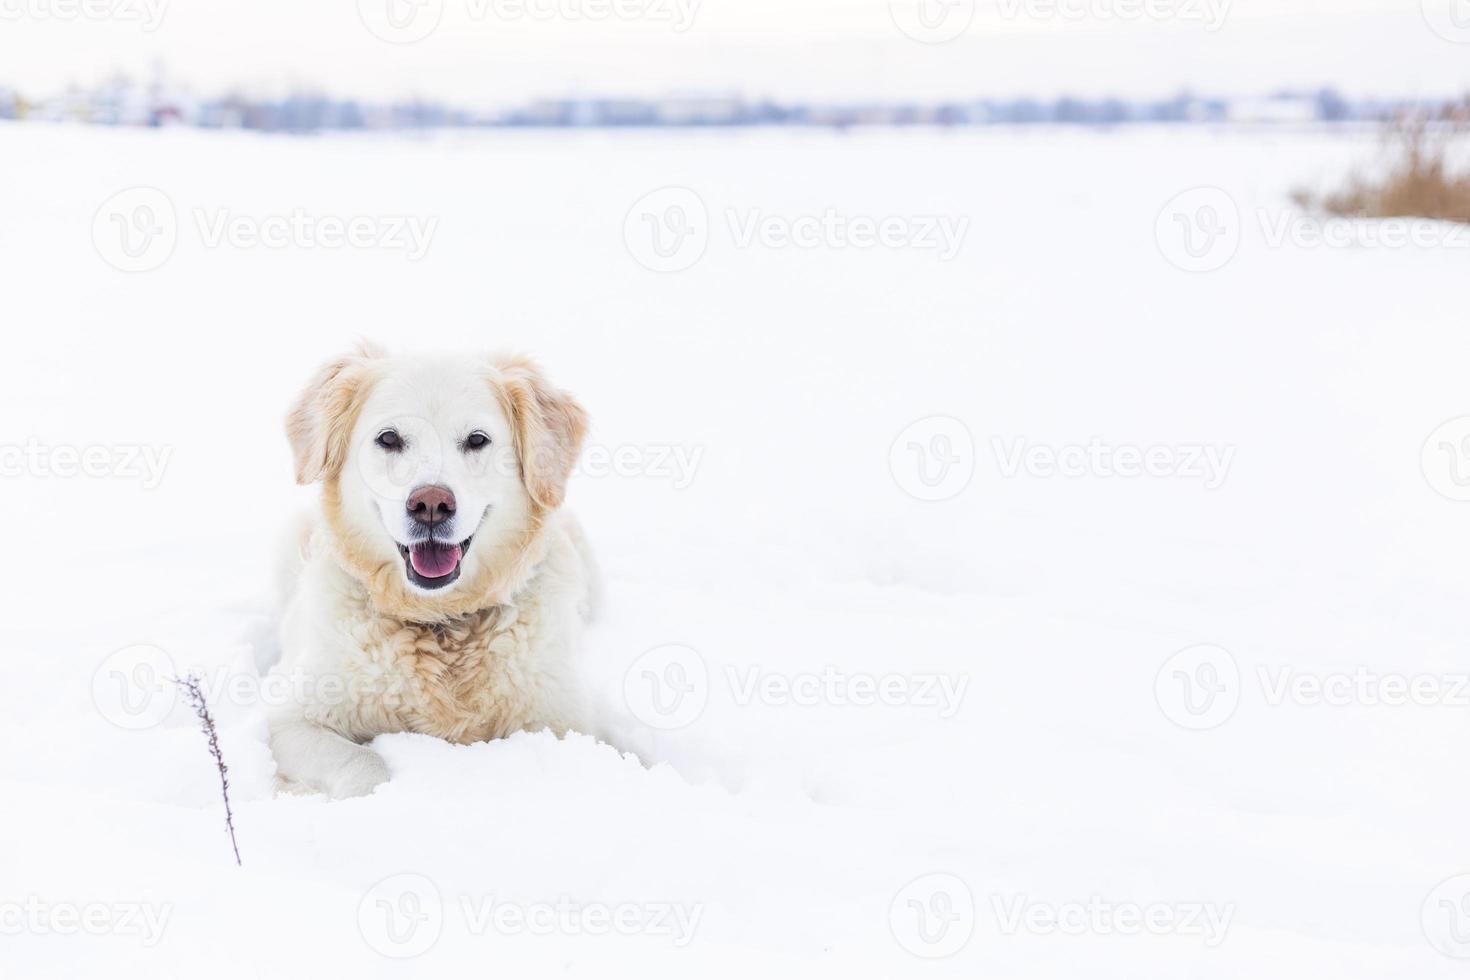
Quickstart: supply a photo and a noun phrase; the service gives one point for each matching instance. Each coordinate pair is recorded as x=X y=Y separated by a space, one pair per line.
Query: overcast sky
x=487 y=52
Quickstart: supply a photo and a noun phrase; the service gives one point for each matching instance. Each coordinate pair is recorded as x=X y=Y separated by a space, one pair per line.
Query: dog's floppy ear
x=549 y=428
x=320 y=424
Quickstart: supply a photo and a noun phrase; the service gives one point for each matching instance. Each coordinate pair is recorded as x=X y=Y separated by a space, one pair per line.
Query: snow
x=1024 y=766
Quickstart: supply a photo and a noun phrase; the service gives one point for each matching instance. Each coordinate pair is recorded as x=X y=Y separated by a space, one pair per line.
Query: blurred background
x=373 y=63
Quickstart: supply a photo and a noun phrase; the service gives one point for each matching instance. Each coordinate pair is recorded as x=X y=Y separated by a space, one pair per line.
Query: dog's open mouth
x=433 y=564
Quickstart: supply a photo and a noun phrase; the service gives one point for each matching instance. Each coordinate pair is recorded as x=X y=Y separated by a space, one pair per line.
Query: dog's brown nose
x=431 y=505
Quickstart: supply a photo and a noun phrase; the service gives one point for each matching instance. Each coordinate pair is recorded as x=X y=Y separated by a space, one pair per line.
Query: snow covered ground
x=1032 y=573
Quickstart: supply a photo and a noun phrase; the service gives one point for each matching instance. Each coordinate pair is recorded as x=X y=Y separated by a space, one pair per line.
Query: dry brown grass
x=1420 y=180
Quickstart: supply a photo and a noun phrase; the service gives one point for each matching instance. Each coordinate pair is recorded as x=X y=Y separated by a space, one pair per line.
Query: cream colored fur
x=364 y=651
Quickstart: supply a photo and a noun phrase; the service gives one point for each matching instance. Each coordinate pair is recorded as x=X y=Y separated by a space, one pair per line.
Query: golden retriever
x=440 y=588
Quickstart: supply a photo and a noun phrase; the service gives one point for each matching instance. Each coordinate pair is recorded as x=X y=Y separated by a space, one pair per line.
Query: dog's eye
x=476 y=440
x=390 y=440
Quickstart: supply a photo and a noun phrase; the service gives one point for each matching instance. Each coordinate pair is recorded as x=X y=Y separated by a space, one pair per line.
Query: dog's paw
x=359 y=777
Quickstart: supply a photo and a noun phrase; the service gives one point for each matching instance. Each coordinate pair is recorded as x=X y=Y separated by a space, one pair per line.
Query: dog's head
x=436 y=472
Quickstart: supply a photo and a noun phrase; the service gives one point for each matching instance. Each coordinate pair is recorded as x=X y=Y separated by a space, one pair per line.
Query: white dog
x=441 y=589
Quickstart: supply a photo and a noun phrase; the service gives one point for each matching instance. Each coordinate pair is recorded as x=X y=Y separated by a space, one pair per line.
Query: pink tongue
x=434 y=560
